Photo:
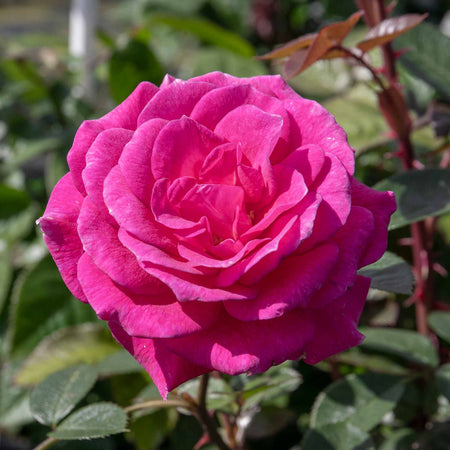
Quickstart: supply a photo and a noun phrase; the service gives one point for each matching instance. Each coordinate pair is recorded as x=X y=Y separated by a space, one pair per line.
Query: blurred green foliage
x=391 y=392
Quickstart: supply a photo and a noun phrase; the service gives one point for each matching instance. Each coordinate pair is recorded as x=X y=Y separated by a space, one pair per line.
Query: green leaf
x=14 y=400
x=207 y=32
x=339 y=436
x=54 y=398
x=439 y=321
x=149 y=430
x=87 y=343
x=419 y=194
x=19 y=225
x=399 y=440
x=93 y=421
x=41 y=305
x=6 y=273
x=129 y=66
x=375 y=363
x=12 y=201
x=220 y=396
x=407 y=344
x=359 y=400
x=273 y=383
x=390 y=273
x=443 y=380
x=268 y=421
x=118 y=363
x=428 y=57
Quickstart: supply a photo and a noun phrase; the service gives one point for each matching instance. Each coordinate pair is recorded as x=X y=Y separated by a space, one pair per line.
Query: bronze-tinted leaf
x=293 y=64
x=389 y=29
x=290 y=47
x=328 y=37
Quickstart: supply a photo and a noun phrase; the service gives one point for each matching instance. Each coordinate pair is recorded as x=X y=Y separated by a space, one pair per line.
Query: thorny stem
x=421 y=245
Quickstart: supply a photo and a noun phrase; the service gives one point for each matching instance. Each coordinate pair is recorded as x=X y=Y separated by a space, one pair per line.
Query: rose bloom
x=216 y=225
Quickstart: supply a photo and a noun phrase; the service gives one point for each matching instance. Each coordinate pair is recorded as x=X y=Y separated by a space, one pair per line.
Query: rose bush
x=216 y=225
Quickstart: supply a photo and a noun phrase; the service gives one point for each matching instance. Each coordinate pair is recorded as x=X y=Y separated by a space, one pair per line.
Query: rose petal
x=336 y=324
x=59 y=225
x=181 y=148
x=234 y=347
x=257 y=132
x=382 y=205
x=101 y=243
x=148 y=317
x=166 y=369
x=135 y=160
x=131 y=214
x=290 y=286
x=174 y=101
x=352 y=239
x=100 y=159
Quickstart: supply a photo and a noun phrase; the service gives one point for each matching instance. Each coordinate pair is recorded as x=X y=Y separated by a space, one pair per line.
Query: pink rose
x=216 y=225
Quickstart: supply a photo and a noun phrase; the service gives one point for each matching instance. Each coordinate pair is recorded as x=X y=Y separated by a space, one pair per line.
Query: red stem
x=421 y=239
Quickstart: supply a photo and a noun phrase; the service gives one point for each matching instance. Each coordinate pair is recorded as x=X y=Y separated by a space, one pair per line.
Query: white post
x=83 y=21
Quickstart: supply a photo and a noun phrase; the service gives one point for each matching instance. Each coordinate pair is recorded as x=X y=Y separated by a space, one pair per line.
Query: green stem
x=46 y=444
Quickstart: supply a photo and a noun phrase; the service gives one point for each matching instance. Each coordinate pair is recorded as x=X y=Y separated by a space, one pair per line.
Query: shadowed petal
x=166 y=369
x=59 y=225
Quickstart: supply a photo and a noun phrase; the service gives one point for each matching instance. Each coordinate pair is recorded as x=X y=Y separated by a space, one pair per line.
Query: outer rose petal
x=234 y=347
x=100 y=159
x=381 y=205
x=59 y=225
x=166 y=369
x=101 y=243
x=158 y=317
x=336 y=323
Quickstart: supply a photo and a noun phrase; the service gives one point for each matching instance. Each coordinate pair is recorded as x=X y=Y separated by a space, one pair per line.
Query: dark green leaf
x=339 y=436
x=428 y=57
x=150 y=430
x=407 y=344
x=419 y=194
x=268 y=421
x=374 y=363
x=14 y=400
x=390 y=273
x=273 y=383
x=54 y=398
x=5 y=273
x=439 y=321
x=207 y=32
x=131 y=65
x=41 y=305
x=399 y=440
x=443 y=380
x=118 y=363
x=359 y=400
x=220 y=396
x=12 y=201
x=93 y=421
x=87 y=343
